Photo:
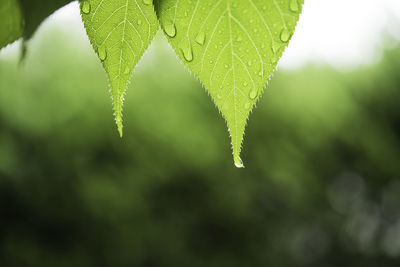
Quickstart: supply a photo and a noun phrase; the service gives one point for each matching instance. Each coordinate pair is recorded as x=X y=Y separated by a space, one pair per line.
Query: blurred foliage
x=321 y=185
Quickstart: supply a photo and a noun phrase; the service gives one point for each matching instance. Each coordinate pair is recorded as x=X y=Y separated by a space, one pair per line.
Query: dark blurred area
x=321 y=185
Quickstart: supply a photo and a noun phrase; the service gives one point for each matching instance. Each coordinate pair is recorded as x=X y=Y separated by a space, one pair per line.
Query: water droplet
x=102 y=52
x=245 y=84
x=126 y=70
x=139 y=22
x=247 y=105
x=219 y=95
x=86 y=7
x=285 y=35
x=239 y=163
x=239 y=39
x=170 y=29
x=260 y=73
x=294 y=6
x=186 y=49
x=253 y=94
x=200 y=38
x=147 y=2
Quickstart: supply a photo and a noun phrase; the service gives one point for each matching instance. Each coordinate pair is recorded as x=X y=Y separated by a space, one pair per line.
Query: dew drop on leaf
x=126 y=70
x=147 y=2
x=186 y=49
x=200 y=38
x=86 y=7
x=247 y=105
x=239 y=163
x=102 y=52
x=253 y=94
x=294 y=6
x=170 y=29
x=285 y=35
x=139 y=22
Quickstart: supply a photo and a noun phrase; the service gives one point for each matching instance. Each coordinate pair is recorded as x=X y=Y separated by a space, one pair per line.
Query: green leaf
x=119 y=31
x=21 y=18
x=233 y=47
x=36 y=11
x=10 y=22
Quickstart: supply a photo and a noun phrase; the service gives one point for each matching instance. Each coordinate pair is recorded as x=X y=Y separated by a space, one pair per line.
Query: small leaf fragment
x=10 y=22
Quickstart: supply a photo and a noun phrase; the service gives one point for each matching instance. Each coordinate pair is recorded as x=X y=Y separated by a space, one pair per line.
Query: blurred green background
x=321 y=185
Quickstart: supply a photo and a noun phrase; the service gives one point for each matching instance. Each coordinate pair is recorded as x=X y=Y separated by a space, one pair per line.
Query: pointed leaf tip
x=118 y=121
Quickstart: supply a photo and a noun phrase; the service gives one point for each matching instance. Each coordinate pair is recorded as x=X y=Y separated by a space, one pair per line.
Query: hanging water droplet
x=247 y=105
x=253 y=94
x=285 y=35
x=294 y=6
x=239 y=163
x=85 y=7
x=170 y=29
x=126 y=70
x=200 y=38
x=147 y=2
x=186 y=49
x=102 y=52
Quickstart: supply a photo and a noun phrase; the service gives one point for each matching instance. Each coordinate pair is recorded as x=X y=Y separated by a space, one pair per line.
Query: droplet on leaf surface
x=285 y=35
x=102 y=52
x=86 y=7
x=170 y=29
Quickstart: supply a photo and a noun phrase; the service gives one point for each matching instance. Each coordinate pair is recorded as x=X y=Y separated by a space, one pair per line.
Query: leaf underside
x=10 y=22
x=119 y=31
x=233 y=47
x=21 y=18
